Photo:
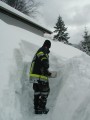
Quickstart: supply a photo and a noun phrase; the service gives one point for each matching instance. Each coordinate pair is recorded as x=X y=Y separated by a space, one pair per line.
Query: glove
x=53 y=74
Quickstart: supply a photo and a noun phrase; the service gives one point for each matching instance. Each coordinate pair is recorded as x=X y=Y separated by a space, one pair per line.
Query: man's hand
x=53 y=74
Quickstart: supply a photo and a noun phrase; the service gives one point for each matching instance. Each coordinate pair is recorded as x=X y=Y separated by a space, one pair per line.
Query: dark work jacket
x=40 y=64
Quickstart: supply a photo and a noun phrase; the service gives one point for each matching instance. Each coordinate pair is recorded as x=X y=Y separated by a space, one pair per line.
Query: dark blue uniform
x=39 y=75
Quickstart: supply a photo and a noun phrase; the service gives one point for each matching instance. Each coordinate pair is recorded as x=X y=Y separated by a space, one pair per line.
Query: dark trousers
x=41 y=92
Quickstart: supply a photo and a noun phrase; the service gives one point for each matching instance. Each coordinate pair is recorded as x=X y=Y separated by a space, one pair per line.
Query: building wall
x=16 y=22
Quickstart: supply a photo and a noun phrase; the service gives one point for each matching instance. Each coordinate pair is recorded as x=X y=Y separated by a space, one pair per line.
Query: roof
x=6 y=9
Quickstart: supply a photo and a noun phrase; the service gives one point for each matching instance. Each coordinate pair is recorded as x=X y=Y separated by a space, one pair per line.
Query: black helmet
x=47 y=43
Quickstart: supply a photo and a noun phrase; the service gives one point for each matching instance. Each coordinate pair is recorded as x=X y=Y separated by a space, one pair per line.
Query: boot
x=41 y=111
x=42 y=104
x=38 y=110
x=45 y=111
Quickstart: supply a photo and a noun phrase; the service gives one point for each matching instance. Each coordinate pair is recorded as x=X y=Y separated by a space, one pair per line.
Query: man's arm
x=45 y=65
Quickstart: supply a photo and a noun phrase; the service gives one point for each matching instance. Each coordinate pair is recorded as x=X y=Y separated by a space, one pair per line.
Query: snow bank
x=73 y=101
x=69 y=96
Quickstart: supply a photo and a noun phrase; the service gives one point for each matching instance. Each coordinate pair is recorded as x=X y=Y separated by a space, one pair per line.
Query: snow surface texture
x=69 y=97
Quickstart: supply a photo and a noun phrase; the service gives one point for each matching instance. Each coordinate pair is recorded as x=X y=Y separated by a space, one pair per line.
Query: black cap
x=47 y=43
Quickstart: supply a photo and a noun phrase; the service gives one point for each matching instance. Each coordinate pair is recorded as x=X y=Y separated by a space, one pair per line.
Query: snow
x=69 y=97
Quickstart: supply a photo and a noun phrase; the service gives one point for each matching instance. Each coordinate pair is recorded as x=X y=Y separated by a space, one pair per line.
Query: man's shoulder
x=41 y=50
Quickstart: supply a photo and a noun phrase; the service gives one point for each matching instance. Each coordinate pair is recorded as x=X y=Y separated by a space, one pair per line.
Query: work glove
x=53 y=74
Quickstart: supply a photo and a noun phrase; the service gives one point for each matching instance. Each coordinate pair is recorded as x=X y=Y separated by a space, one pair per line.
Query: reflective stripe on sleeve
x=39 y=76
x=40 y=54
x=43 y=58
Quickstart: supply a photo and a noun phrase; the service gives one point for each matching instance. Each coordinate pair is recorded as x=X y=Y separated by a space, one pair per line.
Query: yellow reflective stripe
x=43 y=77
x=40 y=53
x=38 y=76
x=31 y=69
x=43 y=58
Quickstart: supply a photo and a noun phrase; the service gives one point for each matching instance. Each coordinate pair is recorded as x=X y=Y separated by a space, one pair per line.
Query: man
x=39 y=75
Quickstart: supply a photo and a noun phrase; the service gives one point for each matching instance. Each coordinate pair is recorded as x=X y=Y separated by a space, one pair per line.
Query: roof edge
x=7 y=10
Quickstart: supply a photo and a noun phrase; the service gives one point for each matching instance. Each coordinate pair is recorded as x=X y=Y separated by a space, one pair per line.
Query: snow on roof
x=8 y=9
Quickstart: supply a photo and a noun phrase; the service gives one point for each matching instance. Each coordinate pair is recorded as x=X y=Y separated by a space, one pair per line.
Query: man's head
x=47 y=44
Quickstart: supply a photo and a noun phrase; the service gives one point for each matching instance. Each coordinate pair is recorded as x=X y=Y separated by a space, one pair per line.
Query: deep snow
x=69 y=97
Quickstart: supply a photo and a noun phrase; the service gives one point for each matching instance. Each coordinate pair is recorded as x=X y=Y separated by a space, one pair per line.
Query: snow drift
x=69 y=98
